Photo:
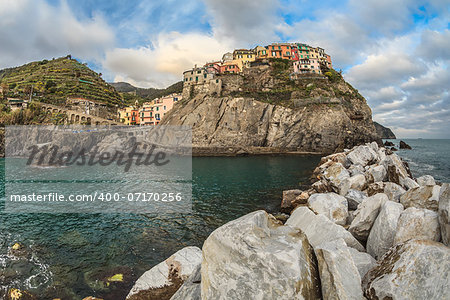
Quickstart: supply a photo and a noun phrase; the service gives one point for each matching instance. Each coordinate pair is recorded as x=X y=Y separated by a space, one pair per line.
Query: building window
x=164 y=107
x=196 y=78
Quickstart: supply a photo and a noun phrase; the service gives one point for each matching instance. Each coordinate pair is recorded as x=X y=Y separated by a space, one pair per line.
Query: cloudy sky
x=395 y=52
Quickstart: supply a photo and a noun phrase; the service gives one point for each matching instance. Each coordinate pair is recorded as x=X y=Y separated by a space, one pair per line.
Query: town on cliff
x=305 y=60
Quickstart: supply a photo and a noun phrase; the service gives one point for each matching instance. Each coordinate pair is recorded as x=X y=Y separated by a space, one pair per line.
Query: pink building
x=309 y=65
x=161 y=106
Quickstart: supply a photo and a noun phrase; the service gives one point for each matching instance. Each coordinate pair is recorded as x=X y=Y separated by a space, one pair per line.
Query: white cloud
x=434 y=46
x=33 y=30
x=164 y=64
x=246 y=22
x=384 y=69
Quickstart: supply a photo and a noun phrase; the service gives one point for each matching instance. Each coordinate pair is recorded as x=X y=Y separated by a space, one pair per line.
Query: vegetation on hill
x=52 y=81
x=274 y=85
x=131 y=93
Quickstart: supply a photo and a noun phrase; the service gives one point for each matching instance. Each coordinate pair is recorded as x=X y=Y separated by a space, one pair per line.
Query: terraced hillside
x=52 y=81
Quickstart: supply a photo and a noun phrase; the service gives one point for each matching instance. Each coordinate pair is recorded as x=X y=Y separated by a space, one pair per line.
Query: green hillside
x=131 y=93
x=52 y=81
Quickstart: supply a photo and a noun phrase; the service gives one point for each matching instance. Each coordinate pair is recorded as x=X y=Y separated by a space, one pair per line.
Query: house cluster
x=306 y=59
x=150 y=113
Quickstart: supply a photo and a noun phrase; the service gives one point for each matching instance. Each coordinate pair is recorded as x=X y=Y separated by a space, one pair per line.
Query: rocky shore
x=366 y=229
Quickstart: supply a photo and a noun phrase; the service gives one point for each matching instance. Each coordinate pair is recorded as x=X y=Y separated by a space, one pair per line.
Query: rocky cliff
x=267 y=110
x=384 y=132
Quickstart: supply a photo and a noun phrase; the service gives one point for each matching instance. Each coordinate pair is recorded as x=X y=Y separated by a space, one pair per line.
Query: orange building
x=280 y=50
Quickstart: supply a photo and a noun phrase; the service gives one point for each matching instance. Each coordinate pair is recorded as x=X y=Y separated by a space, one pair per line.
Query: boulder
x=356 y=182
x=335 y=175
x=331 y=205
x=444 y=213
x=417 y=223
x=375 y=188
x=356 y=169
x=293 y=198
x=191 y=289
x=366 y=215
x=320 y=229
x=388 y=143
x=417 y=269
x=321 y=186
x=376 y=173
x=254 y=257
x=354 y=198
x=397 y=172
x=382 y=234
x=363 y=155
x=164 y=279
x=426 y=180
x=339 y=275
x=404 y=145
x=422 y=197
x=363 y=261
x=393 y=191
x=336 y=157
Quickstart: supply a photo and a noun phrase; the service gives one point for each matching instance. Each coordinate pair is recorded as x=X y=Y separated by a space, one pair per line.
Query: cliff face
x=384 y=132
x=267 y=112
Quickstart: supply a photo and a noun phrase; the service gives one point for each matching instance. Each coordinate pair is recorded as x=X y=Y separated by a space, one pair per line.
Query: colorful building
x=146 y=114
x=280 y=50
x=163 y=105
x=125 y=115
x=307 y=65
x=229 y=67
x=242 y=57
x=151 y=113
x=197 y=75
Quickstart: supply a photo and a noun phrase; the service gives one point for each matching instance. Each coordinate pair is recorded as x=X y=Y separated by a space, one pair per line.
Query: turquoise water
x=427 y=157
x=70 y=255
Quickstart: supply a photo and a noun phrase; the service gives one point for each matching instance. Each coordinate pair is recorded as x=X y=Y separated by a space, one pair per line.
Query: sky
x=395 y=52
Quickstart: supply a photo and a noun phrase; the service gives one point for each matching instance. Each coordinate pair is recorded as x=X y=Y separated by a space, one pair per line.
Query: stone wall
x=220 y=85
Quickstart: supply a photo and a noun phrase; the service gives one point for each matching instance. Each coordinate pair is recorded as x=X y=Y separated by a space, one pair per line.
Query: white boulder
x=426 y=180
x=254 y=257
x=354 y=198
x=382 y=234
x=422 y=197
x=320 y=229
x=417 y=223
x=167 y=276
x=331 y=205
x=417 y=270
x=376 y=173
x=393 y=191
x=356 y=182
x=366 y=215
x=339 y=276
x=363 y=261
x=363 y=155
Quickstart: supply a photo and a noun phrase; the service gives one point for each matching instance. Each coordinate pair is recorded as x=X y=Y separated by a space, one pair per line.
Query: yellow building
x=125 y=115
x=242 y=57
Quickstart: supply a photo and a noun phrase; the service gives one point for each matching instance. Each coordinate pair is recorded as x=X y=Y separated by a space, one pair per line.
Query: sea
x=70 y=256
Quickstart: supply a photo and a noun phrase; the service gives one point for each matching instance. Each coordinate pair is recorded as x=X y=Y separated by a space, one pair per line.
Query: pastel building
x=197 y=75
x=280 y=50
x=158 y=108
x=146 y=114
x=125 y=115
x=307 y=65
x=242 y=57
x=230 y=67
